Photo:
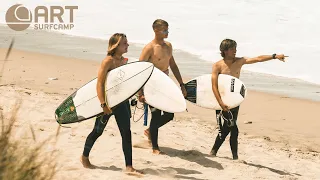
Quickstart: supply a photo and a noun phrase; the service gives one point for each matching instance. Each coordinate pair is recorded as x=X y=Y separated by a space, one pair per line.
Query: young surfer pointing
x=231 y=65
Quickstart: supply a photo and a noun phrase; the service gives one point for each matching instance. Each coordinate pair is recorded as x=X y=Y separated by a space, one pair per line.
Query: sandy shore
x=281 y=143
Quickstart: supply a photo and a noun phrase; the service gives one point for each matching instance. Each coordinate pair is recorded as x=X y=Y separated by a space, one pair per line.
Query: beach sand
x=282 y=141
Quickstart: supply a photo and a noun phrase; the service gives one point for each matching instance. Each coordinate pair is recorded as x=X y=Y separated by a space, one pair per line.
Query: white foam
x=198 y=27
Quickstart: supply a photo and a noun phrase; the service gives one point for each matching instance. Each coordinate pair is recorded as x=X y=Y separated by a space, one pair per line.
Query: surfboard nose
x=56 y=117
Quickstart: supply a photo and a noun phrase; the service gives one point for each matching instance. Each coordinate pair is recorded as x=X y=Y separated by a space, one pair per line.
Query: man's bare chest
x=161 y=53
x=233 y=69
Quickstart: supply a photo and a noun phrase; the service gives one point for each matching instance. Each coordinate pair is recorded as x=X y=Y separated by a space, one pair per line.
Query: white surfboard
x=122 y=83
x=232 y=91
x=163 y=93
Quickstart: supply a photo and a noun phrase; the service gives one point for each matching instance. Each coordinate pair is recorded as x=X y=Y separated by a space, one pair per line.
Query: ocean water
x=259 y=27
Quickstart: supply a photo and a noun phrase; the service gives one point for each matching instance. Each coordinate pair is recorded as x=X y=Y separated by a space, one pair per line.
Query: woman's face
x=123 y=45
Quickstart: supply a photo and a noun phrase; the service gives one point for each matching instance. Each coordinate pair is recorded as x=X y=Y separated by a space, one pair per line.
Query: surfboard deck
x=121 y=84
x=232 y=91
x=163 y=93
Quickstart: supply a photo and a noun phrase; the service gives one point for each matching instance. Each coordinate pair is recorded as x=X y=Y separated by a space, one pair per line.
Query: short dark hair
x=159 y=23
x=227 y=44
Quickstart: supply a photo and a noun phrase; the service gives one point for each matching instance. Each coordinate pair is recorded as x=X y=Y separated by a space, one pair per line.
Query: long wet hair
x=114 y=42
x=227 y=44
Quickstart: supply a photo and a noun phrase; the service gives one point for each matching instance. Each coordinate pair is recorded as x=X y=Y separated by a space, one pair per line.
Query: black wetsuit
x=158 y=120
x=226 y=128
x=122 y=115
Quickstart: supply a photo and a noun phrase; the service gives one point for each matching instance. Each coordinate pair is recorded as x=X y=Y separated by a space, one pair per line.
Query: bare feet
x=133 y=172
x=158 y=152
x=147 y=133
x=236 y=159
x=86 y=163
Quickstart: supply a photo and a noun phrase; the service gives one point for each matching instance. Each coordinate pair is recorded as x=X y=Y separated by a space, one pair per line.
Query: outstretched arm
x=263 y=58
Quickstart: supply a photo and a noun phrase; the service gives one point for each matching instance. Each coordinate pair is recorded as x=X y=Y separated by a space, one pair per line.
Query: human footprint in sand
x=159 y=52
x=231 y=65
x=118 y=45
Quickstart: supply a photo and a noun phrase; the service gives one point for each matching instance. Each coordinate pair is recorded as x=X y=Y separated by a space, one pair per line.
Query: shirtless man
x=231 y=65
x=159 y=52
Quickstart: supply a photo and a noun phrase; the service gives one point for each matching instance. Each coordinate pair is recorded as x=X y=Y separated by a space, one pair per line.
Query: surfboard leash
x=230 y=122
x=135 y=108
